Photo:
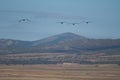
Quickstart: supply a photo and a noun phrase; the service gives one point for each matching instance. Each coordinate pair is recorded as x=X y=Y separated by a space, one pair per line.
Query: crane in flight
x=87 y=22
x=24 y=20
x=62 y=22
x=75 y=23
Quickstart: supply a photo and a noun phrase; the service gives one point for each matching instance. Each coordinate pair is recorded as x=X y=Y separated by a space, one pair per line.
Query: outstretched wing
x=23 y=20
x=87 y=22
x=62 y=22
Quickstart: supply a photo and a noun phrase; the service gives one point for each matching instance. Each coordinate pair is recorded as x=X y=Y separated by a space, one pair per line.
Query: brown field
x=66 y=71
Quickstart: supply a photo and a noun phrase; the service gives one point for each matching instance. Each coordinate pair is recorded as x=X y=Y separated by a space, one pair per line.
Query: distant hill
x=60 y=38
x=61 y=48
x=65 y=42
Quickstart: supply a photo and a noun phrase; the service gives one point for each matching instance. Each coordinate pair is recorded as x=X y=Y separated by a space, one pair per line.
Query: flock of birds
x=62 y=22
x=87 y=22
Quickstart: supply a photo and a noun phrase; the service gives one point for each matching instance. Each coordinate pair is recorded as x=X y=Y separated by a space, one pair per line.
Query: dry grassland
x=65 y=71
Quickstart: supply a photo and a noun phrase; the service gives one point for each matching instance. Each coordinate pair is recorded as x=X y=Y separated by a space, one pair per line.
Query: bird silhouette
x=74 y=23
x=24 y=20
x=62 y=22
x=87 y=22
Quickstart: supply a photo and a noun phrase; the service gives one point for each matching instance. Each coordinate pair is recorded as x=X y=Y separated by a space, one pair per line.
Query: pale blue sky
x=104 y=14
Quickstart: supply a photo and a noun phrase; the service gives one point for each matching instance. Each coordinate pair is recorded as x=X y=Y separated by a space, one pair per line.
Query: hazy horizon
x=56 y=35
x=44 y=15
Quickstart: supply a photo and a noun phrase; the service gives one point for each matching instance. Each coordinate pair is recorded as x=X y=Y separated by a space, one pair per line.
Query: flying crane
x=24 y=20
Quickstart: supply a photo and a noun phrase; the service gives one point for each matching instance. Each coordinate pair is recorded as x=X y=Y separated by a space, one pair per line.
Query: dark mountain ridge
x=65 y=42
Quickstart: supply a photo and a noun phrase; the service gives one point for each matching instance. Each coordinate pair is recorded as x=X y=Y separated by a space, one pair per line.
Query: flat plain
x=65 y=71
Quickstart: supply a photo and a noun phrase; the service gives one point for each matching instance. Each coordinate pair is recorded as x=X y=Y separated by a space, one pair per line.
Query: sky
x=45 y=15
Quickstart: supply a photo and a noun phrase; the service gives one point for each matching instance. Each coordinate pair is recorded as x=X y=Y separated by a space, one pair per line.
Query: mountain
x=60 y=38
x=11 y=46
x=61 y=48
x=13 y=43
x=65 y=42
x=56 y=43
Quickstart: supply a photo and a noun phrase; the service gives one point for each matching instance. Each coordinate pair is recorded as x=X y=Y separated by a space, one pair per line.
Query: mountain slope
x=65 y=42
x=12 y=46
x=58 y=39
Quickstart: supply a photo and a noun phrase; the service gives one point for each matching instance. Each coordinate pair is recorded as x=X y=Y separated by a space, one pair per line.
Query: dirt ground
x=67 y=71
